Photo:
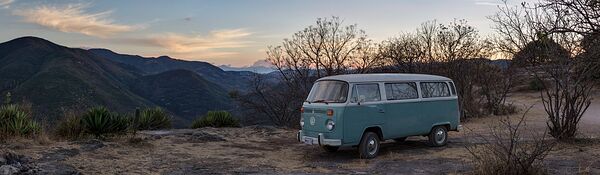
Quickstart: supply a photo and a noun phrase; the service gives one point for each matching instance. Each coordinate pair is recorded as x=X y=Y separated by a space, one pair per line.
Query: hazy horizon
x=219 y=32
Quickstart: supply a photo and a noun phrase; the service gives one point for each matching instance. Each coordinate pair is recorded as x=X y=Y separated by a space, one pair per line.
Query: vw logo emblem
x=312 y=120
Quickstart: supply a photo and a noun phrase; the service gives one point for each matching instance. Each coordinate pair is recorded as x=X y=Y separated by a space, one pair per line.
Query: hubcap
x=440 y=136
x=372 y=146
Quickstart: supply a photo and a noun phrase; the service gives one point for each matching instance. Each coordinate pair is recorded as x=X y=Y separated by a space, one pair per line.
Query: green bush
x=70 y=127
x=151 y=119
x=14 y=121
x=216 y=119
x=100 y=122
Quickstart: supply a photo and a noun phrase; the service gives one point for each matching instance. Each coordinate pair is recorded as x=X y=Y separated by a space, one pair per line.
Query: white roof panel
x=387 y=77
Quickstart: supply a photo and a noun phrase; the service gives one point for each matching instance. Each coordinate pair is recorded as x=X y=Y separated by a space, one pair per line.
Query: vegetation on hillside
x=216 y=119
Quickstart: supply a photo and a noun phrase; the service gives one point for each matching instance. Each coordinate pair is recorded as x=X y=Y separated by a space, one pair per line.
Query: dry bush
x=510 y=149
x=69 y=127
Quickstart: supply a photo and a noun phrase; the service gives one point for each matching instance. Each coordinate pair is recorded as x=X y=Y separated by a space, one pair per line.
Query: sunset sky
x=222 y=32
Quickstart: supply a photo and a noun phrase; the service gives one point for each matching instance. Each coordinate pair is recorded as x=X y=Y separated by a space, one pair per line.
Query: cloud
x=488 y=2
x=213 y=44
x=6 y=3
x=73 y=19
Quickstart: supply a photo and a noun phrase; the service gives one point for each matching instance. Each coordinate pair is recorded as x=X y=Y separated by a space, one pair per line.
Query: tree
x=453 y=50
x=326 y=48
x=548 y=37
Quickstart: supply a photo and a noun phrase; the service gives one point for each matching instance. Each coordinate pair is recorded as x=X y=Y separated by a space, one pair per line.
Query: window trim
x=403 y=82
x=381 y=96
x=441 y=97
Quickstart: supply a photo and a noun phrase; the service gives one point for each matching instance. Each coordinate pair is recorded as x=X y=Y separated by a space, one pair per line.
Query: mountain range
x=55 y=79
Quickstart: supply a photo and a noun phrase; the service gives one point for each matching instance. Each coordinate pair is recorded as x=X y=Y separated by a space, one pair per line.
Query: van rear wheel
x=330 y=149
x=369 y=145
x=438 y=136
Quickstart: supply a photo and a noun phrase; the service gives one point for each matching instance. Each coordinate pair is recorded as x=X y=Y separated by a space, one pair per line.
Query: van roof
x=355 y=78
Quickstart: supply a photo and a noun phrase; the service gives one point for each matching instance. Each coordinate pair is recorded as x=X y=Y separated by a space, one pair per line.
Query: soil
x=269 y=150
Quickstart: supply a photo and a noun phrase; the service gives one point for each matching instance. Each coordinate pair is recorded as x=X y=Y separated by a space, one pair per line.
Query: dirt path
x=267 y=150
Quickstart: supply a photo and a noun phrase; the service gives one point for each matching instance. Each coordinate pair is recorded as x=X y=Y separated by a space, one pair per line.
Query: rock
x=8 y=170
x=11 y=158
x=3 y=161
x=265 y=128
x=91 y=145
x=156 y=137
x=201 y=137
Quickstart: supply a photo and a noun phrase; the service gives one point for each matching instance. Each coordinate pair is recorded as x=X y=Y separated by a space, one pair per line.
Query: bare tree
x=326 y=48
x=453 y=50
x=547 y=37
x=267 y=99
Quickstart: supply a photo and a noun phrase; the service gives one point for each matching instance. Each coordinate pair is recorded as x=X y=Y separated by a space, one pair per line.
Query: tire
x=400 y=140
x=438 y=136
x=330 y=149
x=369 y=145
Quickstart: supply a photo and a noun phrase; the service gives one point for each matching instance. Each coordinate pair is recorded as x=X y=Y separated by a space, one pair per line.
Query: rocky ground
x=268 y=150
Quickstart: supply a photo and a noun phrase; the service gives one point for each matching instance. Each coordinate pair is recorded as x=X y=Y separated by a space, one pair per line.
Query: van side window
x=452 y=88
x=435 y=89
x=401 y=91
x=365 y=93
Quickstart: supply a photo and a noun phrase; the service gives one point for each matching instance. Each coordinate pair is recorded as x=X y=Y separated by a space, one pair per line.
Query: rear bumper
x=319 y=140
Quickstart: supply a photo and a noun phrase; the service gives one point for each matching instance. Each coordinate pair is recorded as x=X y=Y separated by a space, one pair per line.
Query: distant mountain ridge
x=149 y=65
x=54 y=78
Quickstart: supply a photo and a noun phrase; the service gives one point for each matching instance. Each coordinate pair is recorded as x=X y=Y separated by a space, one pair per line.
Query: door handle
x=380 y=110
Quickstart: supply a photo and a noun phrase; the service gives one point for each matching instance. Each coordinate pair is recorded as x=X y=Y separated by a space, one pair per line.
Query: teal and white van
x=364 y=109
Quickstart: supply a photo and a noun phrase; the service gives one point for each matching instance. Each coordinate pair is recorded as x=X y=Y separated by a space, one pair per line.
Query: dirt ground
x=267 y=150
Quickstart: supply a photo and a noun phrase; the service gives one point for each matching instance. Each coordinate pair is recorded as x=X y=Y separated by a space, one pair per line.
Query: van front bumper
x=319 y=140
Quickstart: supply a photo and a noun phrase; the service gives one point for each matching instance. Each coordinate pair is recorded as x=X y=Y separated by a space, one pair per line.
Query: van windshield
x=328 y=92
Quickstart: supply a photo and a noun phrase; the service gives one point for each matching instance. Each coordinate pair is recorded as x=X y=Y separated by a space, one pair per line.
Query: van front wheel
x=438 y=136
x=330 y=149
x=369 y=145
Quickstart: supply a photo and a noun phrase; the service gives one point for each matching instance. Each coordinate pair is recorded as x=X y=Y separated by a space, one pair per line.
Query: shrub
x=506 y=109
x=14 y=121
x=536 y=84
x=100 y=122
x=505 y=151
x=70 y=127
x=151 y=119
x=216 y=119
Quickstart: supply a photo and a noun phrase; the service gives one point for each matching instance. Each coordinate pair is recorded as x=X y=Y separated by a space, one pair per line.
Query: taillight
x=330 y=112
x=302 y=110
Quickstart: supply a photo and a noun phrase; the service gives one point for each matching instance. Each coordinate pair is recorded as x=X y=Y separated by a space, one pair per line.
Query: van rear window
x=328 y=92
x=435 y=89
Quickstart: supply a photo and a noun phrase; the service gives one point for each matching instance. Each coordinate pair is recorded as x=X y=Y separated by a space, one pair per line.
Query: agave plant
x=151 y=119
x=216 y=119
x=100 y=122
x=16 y=122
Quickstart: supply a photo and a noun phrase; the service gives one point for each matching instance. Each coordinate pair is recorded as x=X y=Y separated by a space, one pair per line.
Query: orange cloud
x=73 y=19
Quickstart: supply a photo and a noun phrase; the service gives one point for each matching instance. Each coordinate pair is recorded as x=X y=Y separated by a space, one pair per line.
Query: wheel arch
x=376 y=129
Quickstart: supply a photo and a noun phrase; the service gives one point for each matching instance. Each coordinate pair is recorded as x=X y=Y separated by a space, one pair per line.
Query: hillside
x=226 y=79
x=54 y=78
x=184 y=92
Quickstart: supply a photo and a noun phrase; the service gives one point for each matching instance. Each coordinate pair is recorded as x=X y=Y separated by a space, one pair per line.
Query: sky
x=221 y=32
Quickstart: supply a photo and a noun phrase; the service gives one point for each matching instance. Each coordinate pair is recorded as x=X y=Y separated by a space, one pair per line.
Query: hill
x=184 y=92
x=230 y=80
x=55 y=78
